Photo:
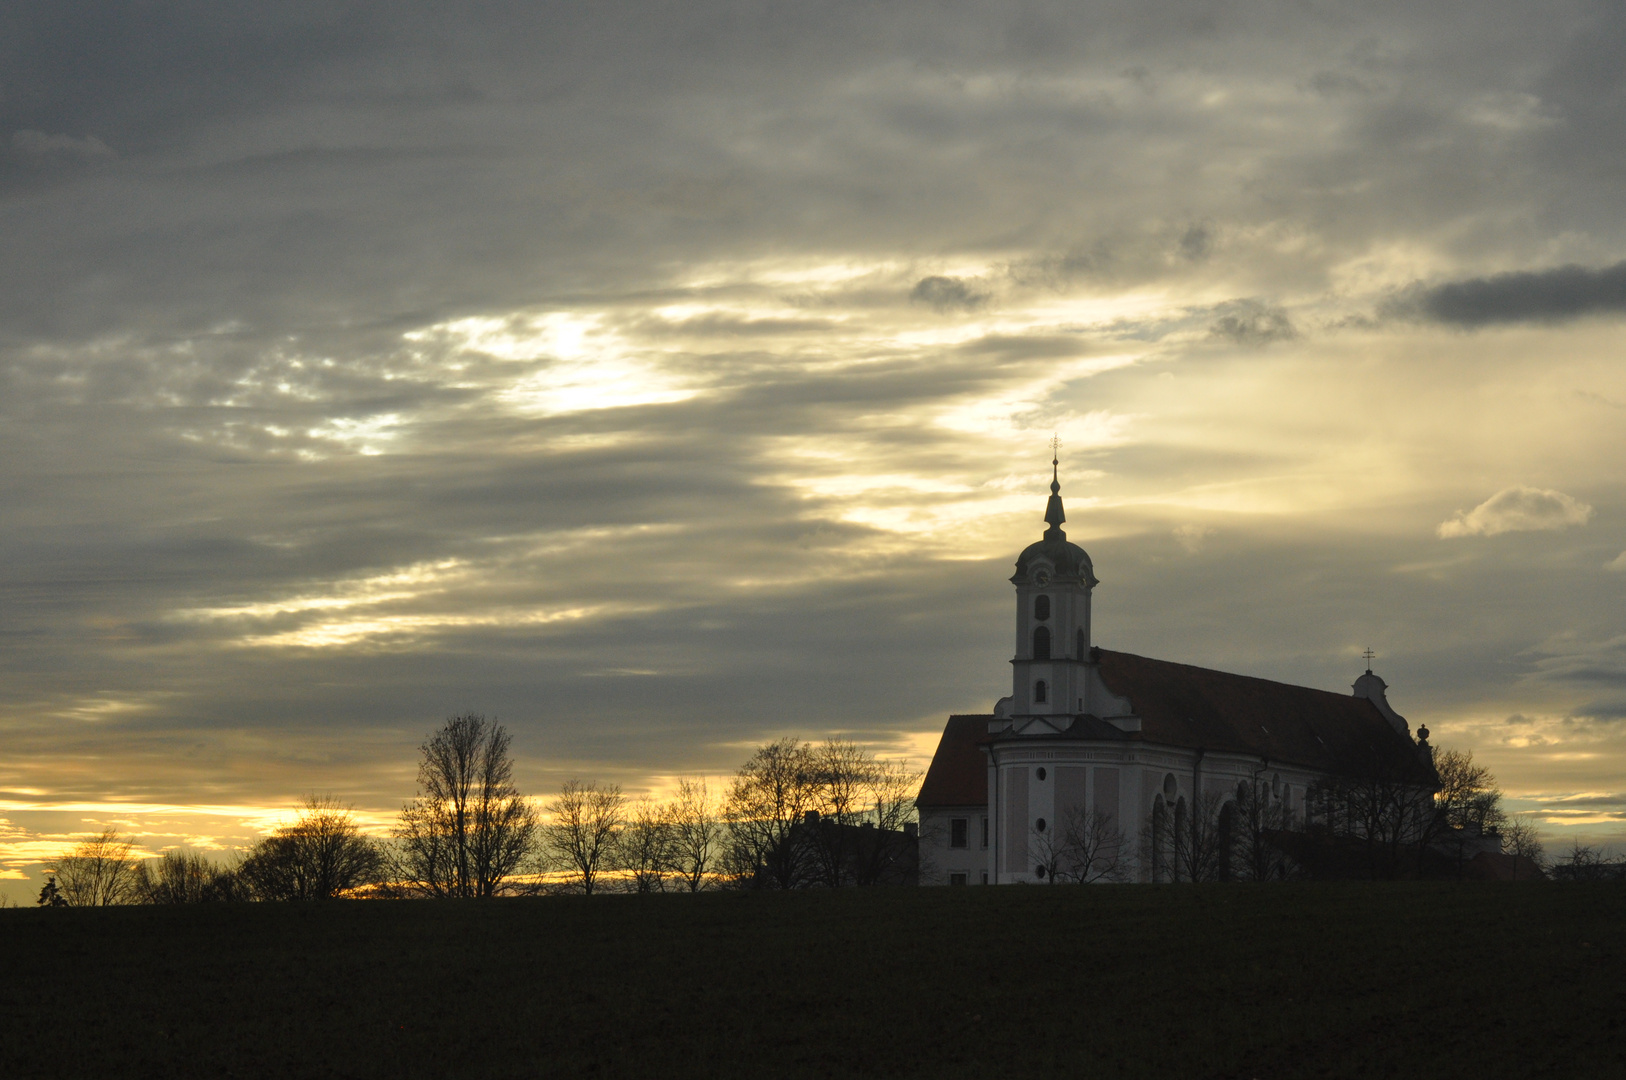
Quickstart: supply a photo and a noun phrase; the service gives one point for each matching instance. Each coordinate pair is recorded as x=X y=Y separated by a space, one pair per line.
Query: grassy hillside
x=1172 y=982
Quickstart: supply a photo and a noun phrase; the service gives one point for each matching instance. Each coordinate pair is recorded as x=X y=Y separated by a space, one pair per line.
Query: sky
x=662 y=379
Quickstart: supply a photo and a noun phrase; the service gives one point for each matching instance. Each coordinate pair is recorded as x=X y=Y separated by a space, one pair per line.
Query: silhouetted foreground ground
x=1285 y=981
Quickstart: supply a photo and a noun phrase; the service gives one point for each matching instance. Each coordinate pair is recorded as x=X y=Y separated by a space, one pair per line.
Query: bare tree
x=1044 y=851
x=767 y=801
x=827 y=816
x=469 y=829
x=1385 y=805
x=1088 y=847
x=1256 y=818
x=646 y=847
x=1188 y=842
x=1521 y=840
x=97 y=872
x=882 y=855
x=321 y=855
x=180 y=877
x=842 y=776
x=1468 y=795
x=1584 y=862
x=1202 y=840
x=584 y=827
x=696 y=833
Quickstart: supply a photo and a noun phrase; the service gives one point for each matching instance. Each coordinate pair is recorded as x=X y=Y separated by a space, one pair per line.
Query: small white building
x=1105 y=758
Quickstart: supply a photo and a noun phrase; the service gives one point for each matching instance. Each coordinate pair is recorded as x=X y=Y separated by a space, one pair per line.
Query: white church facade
x=1124 y=749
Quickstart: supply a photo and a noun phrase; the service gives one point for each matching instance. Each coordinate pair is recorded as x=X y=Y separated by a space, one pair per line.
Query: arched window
x=1040 y=692
x=1041 y=607
x=1160 y=839
x=1041 y=643
x=1081 y=655
x=1180 y=842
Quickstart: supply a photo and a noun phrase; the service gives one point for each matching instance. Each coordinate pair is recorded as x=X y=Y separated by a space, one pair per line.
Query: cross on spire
x=1369 y=654
x=1055 y=465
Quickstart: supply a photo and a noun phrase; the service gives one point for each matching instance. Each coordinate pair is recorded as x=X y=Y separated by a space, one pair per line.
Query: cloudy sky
x=665 y=378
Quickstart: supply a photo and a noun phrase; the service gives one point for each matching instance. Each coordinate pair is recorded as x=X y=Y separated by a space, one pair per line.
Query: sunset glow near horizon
x=664 y=383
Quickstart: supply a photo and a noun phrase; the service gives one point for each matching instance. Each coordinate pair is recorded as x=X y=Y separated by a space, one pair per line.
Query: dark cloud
x=948 y=294
x=1609 y=711
x=1196 y=242
x=1252 y=322
x=1012 y=347
x=1567 y=292
x=40 y=148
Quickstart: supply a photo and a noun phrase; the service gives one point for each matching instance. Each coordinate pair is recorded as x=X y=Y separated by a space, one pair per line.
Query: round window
x=1038 y=871
x=1041 y=772
x=1039 y=825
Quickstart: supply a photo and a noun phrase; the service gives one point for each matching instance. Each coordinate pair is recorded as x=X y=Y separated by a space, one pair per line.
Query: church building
x=1100 y=763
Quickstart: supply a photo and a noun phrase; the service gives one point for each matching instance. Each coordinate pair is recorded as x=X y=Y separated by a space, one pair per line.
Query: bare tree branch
x=97 y=872
x=697 y=832
x=322 y=855
x=469 y=829
x=585 y=824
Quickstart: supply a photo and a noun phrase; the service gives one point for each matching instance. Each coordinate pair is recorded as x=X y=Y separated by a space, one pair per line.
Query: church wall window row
x=1040 y=692
x=1041 y=643
x=1041 y=607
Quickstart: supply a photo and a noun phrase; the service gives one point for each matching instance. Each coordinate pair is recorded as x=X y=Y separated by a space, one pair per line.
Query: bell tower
x=1053 y=579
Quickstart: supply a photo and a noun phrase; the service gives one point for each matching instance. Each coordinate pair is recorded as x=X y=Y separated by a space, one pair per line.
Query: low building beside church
x=1126 y=760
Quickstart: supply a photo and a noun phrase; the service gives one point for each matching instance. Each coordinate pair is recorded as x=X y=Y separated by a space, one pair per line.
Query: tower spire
x=1054 y=515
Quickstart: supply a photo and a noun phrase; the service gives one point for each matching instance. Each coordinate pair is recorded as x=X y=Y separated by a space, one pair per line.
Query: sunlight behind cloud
x=402 y=584
x=406 y=629
x=577 y=362
x=1518 y=509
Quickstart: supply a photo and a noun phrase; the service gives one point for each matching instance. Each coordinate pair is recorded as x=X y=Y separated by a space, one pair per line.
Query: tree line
x=795 y=815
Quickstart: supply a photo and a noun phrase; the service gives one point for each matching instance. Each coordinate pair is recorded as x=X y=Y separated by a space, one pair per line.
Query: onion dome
x=1054 y=555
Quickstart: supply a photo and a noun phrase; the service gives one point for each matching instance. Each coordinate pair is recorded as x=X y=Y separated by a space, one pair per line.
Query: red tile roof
x=1181 y=705
x=958 y=775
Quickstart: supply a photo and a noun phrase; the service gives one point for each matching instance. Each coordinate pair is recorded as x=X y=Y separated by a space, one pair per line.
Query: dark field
x=1173 y=982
